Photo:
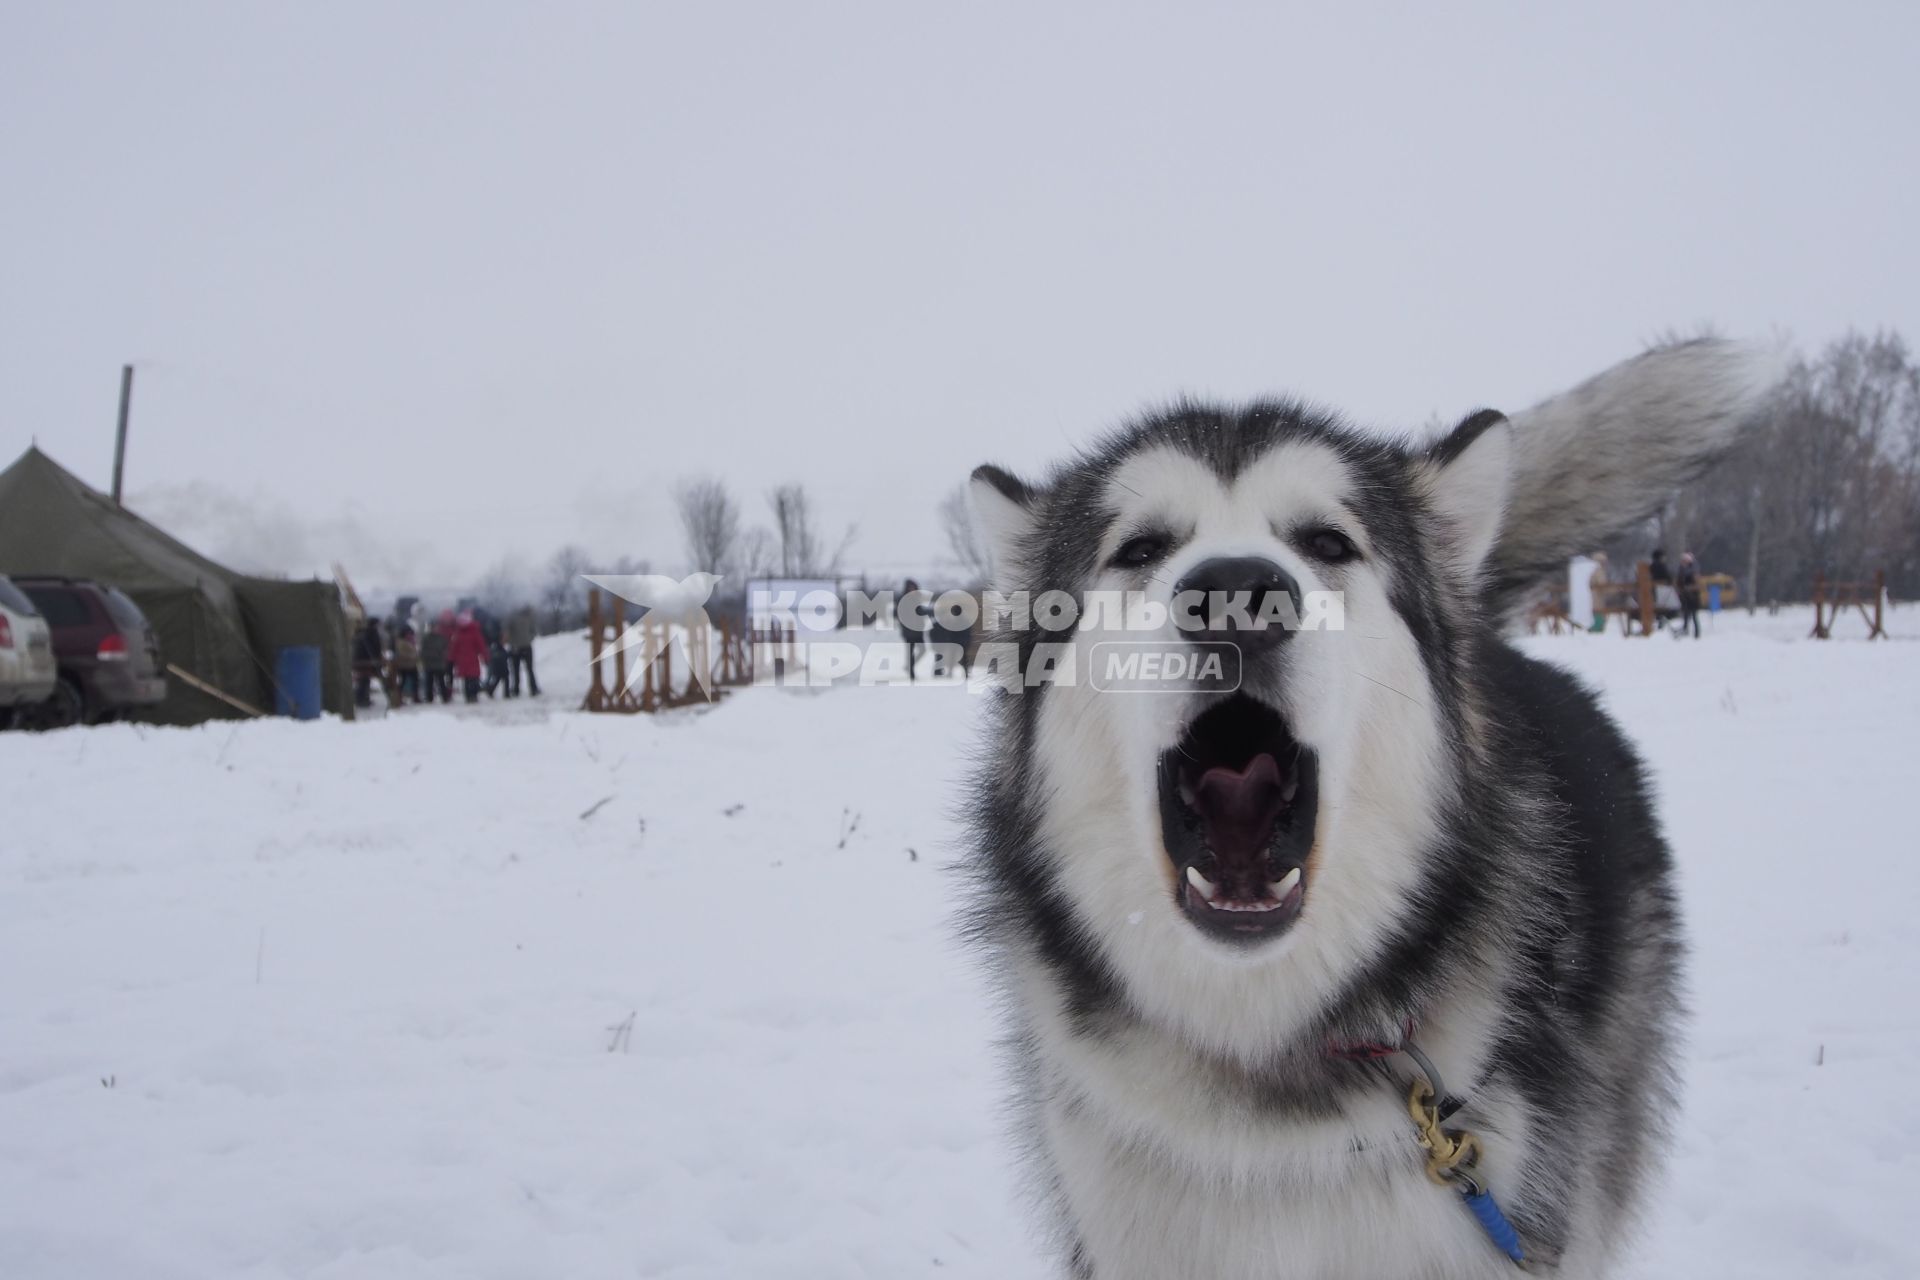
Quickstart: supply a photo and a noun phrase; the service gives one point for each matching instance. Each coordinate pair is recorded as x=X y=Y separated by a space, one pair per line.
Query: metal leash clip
x=1451 y=1157
x=1451 y=1153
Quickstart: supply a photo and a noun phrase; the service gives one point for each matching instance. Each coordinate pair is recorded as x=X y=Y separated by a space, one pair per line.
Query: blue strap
x=1495 y=1224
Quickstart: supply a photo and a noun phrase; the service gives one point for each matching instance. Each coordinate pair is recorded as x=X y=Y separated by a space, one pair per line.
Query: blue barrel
x=296 y=675
x=1713 y=597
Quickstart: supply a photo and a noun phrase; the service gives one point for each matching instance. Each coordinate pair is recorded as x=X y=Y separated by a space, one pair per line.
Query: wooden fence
x=1631 y=602
x=725 y=653
x=1829 y=598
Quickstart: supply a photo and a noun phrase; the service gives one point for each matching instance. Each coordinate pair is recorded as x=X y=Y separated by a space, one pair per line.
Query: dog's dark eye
x=1329 y=545
x=1141 y=550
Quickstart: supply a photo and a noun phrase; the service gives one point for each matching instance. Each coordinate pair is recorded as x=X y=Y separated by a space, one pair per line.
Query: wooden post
x=619 y=626
x=665 y=666
x=120 y=436
x=1819 y=631
x=211 y=691
x=1643 y=582
x=596 y=691
x=646 y=695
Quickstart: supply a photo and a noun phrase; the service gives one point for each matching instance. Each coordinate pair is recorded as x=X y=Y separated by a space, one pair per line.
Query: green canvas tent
x=223 y=627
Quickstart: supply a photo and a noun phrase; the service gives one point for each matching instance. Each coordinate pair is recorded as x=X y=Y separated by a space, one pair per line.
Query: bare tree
x=710 y=522
x=793 y=530
x=802 y=551
x=506 y=586
x=759 y=553
x=1827 y=481
x=963 y=534
x=562 y=591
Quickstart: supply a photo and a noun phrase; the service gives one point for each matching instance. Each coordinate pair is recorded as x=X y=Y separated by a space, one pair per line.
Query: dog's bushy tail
x=1591 y=463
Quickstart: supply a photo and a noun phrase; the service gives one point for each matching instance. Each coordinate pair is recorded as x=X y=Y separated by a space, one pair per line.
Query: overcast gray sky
x=421 y=286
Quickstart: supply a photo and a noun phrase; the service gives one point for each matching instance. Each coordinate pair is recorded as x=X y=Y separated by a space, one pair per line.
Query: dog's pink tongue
x=1238 y=806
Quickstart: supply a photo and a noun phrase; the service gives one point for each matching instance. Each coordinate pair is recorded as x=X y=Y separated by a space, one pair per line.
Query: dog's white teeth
x=1284 y=885
x=1207 y=888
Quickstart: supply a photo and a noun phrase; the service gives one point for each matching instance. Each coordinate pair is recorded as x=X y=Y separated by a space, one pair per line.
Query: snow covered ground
x=520 y=992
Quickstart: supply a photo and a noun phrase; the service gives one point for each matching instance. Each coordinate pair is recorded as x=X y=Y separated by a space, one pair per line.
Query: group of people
x=483 y=651
x=1676 y=590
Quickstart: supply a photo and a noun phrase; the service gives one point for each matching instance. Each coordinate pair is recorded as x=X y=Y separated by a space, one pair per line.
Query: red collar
x=1367 y=1050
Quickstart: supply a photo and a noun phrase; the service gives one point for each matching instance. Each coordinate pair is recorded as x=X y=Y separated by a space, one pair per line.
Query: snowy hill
x=515 y=991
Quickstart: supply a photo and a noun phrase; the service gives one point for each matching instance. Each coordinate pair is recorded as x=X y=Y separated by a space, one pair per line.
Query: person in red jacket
x=469 y=655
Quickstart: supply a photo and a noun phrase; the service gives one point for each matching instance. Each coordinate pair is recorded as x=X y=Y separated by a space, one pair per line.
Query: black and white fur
x=1487 y=864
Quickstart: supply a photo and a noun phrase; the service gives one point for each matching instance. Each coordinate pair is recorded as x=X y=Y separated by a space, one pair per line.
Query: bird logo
x=676 y=611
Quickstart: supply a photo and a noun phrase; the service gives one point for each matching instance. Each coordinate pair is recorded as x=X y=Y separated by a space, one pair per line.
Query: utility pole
x=120 y=439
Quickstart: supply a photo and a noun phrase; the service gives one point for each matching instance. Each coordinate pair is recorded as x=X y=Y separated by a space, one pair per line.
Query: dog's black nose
x=1248 y=600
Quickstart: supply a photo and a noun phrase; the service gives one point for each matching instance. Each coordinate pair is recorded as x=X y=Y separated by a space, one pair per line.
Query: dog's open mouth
x=1238 y=801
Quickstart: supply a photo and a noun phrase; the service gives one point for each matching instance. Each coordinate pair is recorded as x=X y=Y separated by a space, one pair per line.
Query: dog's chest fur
x=1168 y=1169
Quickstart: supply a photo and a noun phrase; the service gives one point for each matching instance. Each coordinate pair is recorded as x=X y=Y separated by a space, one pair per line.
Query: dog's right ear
x=1003 y=506
x=1468 y=475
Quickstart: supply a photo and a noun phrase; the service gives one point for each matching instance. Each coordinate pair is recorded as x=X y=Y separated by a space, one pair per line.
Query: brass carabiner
x=1449 y=1153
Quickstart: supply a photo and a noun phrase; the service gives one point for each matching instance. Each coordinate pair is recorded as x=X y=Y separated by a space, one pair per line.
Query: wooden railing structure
x=1550 y=611
x=1829 y=598
x=724 y=652
x=1634 y=603
x=1631 y=602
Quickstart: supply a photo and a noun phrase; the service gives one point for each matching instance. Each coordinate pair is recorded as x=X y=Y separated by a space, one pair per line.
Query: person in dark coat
x=520 y=633
x=436 y=659
x=469 y=653
x=913 y=614
x=492 y=628
x=1687 y=581
x=500 y=669
x=950 y=646
x=369 y=656
x=1666 y=602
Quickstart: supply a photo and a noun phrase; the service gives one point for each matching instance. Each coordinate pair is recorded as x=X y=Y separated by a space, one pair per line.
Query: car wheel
x=64 y=707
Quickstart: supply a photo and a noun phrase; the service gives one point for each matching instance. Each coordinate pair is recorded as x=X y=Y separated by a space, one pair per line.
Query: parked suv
x=109 y=657
x=27 y=671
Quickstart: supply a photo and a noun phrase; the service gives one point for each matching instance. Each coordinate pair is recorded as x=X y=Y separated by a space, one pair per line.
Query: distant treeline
x=1828 y=482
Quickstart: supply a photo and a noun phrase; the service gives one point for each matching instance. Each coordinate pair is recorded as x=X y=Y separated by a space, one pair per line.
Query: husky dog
x=1226 y=923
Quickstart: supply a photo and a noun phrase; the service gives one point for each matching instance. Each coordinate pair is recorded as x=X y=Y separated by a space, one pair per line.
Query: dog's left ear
x=1003 y=504
x=1467 y=477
